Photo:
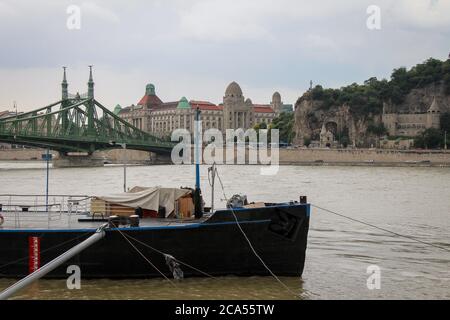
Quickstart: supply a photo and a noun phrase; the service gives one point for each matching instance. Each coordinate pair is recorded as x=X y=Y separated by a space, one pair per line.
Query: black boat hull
x=216 y=246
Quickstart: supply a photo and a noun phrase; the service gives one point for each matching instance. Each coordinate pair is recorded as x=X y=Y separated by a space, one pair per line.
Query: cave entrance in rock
x=332 y=127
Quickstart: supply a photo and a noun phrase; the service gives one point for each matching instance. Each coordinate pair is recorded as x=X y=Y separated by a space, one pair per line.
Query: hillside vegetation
x=369 y=97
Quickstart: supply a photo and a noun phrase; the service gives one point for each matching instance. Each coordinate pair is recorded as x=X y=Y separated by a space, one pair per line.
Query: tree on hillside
x=429 y=139
x=445 y=122
x=285 y=123
x=369 y=97
x=376 y=129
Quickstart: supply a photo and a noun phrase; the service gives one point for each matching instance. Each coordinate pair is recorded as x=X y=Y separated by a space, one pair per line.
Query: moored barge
x=212 y=244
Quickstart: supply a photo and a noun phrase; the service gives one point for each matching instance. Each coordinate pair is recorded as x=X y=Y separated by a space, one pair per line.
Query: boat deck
x=68 y=212
x=45 y=221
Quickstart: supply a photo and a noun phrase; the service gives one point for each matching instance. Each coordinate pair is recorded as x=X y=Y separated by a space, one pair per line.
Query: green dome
x=183 y=104
x=117 y=109
x=150 y=89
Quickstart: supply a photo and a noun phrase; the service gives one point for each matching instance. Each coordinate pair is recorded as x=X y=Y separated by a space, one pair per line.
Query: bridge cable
x=297 y=295
x=380 y=228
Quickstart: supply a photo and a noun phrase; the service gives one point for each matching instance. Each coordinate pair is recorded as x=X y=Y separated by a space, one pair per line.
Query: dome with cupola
x=276 y=97
x=150 y=89
x=117 y=109
x=233 y=90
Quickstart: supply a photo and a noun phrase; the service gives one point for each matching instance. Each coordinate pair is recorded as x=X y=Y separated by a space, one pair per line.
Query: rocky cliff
x=353 y=114
x=420 y=100
x=347 y=128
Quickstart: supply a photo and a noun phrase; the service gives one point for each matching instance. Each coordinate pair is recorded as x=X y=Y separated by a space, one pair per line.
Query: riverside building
x=160 y=118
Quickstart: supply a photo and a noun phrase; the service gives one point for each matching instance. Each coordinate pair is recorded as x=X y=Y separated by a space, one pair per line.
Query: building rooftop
x=262 y=108
x=183 y=104
x=233 y=90
x=7 y=113
x=117 y=109
x=434 y=106
x=149 y=100
x=166 y=106
x=205 y=105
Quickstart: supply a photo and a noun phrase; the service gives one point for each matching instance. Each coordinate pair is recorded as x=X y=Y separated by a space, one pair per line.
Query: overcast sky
x=194 y=48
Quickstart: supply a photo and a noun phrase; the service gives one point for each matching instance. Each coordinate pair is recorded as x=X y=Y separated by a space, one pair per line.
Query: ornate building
x=411 y=124
x=161 y=118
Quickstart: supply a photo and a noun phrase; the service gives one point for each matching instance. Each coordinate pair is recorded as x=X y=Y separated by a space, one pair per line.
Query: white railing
x=64 y=211
x=25 y=209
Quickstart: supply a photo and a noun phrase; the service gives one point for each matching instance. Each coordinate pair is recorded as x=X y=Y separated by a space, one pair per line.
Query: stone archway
x=332 y=126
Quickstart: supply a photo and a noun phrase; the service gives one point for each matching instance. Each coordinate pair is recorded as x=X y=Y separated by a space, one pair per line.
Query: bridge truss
x=77 y=124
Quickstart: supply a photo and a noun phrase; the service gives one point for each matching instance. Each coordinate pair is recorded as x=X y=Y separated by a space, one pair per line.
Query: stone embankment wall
x=364 y=156
x=287 y=156
x=22 y=154
x=119 y=155
x=115 y=155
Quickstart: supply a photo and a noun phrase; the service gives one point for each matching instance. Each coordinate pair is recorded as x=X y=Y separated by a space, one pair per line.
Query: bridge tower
x=90 y=84
x=91 y=105
x=64 y=100
x=64 y=86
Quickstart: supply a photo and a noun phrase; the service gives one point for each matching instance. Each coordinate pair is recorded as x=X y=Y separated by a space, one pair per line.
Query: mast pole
x=47 y=158
x=213 y=177
x=197 y=192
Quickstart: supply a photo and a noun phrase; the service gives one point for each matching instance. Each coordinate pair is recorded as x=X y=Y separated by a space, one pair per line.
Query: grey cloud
x=194 y=48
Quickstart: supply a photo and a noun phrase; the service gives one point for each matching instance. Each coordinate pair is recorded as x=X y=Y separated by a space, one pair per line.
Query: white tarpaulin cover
x=148 y=198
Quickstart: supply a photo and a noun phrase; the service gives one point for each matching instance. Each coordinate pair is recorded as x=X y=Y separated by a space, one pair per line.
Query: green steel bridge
x=77 y=123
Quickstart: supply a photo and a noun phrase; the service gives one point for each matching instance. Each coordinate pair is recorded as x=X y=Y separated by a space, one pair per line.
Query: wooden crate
x=114 y=209
x=98 y=207
x=103 y=208
x=185 y=207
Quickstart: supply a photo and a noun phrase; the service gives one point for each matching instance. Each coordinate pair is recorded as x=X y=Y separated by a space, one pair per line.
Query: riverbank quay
x=294 y=156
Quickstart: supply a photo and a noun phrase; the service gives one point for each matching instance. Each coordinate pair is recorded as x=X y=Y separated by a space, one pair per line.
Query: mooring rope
x=380 y=228
x=177 y=260
x=146 y=259
x=251 y=246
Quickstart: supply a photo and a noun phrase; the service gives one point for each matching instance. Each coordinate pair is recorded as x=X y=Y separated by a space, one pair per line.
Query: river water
x=409 y=201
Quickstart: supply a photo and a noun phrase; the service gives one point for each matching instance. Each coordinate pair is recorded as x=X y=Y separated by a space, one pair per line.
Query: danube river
x=409 y=201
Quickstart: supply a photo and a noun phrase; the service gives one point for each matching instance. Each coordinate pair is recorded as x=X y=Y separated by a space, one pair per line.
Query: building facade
x=160 y=118
x=411 y=124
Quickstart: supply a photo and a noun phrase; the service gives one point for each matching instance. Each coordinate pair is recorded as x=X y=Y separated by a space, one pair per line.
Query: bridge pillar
x=160 y=159
x=77 y=160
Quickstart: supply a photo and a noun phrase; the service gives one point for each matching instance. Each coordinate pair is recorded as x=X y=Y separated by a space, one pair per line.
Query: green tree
x=344 y=137
x=377 y=129
x=285 y=123
x=429 y=139
x=445 y=122
x=368 y=98
x=447 y=83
